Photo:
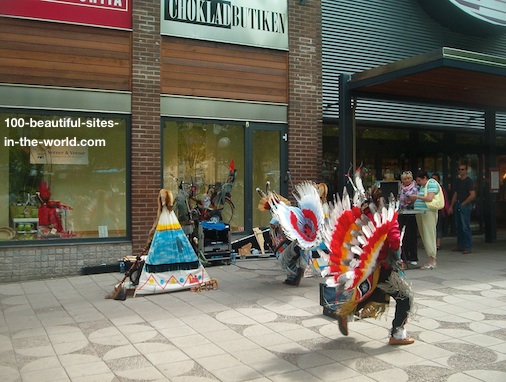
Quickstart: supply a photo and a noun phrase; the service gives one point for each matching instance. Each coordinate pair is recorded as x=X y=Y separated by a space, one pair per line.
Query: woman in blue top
x=426 y=221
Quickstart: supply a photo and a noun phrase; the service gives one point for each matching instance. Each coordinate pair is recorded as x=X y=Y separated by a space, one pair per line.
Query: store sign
x=101 y=13
x=261 y=23
x=468 y=16
x=59 y=155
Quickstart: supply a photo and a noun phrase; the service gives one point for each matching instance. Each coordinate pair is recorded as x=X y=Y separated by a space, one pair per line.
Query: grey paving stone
x=255 y=328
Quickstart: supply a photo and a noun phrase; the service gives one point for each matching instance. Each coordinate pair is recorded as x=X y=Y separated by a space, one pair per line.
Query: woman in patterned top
x=426 y=221
x=408 y=221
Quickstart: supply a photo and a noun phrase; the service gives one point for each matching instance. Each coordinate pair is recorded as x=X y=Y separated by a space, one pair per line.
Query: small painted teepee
x=171 y=263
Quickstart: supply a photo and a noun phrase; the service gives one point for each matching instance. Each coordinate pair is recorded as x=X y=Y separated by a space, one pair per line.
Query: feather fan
x=355 y=242
x=304 y=223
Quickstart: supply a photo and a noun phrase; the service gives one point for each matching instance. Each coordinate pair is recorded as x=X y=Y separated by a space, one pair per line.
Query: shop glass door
x=198 y=158
x=268 y=164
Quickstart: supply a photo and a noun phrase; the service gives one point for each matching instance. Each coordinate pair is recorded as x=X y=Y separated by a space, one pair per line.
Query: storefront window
x=430 y=137
x=387 y=134
x=63 y=176
x=469 y=139
x=501 y=197
x=266 y=168
x=204 y=163
x=330 y=165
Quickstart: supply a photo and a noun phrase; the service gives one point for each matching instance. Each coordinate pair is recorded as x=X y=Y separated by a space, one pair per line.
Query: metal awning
x=447 y=76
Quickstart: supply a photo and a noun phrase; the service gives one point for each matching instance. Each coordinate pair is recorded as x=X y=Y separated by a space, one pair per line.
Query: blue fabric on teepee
x=171 y=263
x=170 y=248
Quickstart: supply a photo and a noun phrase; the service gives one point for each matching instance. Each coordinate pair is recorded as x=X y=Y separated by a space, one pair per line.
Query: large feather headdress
x=303 y=223
x=264 y=204
x=353 y=239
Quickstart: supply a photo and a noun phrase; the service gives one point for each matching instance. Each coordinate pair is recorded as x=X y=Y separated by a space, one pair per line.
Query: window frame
x=128 y=179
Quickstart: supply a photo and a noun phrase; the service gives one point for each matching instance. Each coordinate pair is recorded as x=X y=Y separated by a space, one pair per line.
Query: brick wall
x=305 y=91
x=305 y=136
x=44 y=262
x=146 y=137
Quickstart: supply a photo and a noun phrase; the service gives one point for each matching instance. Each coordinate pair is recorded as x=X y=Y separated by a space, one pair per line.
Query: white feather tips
x=346 y=279
x=331 y=282
x=362 y=240
x=305 y=223
x=357 y=250
x=306 y=192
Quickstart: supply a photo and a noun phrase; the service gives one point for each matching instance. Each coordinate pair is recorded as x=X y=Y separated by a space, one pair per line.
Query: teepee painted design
x=171 y=263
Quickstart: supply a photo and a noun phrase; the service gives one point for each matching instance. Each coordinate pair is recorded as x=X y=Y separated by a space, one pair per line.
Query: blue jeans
x=463 y=226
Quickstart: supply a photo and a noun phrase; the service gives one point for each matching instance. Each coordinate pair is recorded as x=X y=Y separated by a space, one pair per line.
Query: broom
x=119 y=292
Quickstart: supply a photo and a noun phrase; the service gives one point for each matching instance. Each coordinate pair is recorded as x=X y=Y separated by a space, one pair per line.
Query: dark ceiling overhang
x=449 y=77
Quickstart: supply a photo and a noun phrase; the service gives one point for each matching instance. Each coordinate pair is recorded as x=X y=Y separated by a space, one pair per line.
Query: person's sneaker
x=300 y=274
x=295 y=281
x=330 y=313
x=400 y=337
x=414 y=263
x=342 y=321
x=405 y=341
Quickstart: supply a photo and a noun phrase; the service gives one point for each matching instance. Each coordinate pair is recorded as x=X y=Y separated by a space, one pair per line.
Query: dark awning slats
x=446 y=76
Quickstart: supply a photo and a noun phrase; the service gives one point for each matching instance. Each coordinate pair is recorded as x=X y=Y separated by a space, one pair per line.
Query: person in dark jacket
x=461 y=205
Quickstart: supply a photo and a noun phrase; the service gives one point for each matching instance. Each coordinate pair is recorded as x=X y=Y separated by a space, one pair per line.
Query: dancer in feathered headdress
x=364 y=265
x=295 y=231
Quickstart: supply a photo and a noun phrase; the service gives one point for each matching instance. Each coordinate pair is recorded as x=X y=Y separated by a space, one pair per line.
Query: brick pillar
x=146 y=138
x=305 y=91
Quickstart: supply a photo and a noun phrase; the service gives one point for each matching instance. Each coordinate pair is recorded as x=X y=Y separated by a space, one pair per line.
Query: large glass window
x=204 y=163
x=330 y=165
x=63 y=176
x=266 y=168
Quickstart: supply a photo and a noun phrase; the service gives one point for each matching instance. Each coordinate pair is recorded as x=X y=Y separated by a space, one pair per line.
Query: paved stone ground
x=255 y=328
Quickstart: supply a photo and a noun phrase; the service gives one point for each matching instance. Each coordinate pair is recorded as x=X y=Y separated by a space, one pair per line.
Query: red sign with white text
x=101 y=13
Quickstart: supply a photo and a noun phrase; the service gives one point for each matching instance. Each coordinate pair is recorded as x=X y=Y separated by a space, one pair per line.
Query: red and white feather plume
x=303 y=224
x=265 y=196
x=339 y=233
x=354 y=241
